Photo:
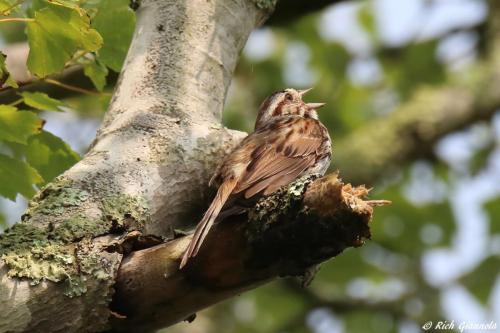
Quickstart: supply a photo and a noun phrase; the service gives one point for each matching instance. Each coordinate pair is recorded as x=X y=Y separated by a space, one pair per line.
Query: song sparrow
x=288 y=142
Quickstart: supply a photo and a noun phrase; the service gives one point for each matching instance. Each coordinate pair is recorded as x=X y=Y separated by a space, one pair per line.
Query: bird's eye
x=289 y=97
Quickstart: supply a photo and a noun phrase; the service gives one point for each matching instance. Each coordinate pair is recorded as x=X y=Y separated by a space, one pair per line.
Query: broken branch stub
x=308 y=222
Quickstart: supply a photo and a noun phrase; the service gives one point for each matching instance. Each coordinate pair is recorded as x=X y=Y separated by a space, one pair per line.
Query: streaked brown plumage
x=288 y=142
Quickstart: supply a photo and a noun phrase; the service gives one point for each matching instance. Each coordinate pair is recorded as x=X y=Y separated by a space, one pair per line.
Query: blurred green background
x=435 y=252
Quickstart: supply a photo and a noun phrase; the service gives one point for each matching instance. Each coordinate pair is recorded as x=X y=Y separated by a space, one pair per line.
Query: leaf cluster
x=94 y=34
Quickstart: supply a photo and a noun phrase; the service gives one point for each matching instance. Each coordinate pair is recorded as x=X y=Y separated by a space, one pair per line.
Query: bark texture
x=283 y=235
x=98 y=247
x=146 y=171
x=412 y=129
x=17 y=54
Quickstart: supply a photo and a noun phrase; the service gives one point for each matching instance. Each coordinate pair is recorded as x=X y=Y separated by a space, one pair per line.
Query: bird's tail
x=208 y=219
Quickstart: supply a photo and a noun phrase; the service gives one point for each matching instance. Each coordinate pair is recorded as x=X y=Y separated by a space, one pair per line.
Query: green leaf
x=50 y=155
x=55 y=35
x=5 y=77
x=17 y=177
x=92 y=41
x=41 y=101
x=17 y=126
x=73 y=4
x=97 y=74
x=36 y=5
x=6 y=6
x=110 y=15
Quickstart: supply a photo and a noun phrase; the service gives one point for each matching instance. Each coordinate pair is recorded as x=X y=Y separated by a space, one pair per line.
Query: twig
x=16 y=19
x=15 y=4
x=19 y=101
x=375 y=203
x=77 y=89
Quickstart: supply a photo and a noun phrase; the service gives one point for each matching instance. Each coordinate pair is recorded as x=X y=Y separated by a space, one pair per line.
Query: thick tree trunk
x=17 y=54
x=147 y=170
x=98 y=248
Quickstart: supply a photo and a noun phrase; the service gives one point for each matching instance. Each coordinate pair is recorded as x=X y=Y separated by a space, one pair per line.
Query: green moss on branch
x=306 y=223
x=280 y=207
x=53 y=240
x=55 y=198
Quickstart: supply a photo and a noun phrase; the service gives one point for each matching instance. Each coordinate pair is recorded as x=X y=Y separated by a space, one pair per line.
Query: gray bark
x=146 y=172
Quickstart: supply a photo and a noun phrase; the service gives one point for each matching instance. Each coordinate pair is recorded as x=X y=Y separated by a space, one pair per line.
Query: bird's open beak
x=303 y=92
x=315 y=106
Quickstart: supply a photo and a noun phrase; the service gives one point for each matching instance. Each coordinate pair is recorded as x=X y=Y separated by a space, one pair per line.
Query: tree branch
x=412 y=129
x=146 y=171
x=284 y=234
x=17 y=54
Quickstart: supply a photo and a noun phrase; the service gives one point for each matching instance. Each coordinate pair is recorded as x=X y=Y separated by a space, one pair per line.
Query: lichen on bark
x=278 y=207
x=48 y=246
x=307 y=222
x=55 y=197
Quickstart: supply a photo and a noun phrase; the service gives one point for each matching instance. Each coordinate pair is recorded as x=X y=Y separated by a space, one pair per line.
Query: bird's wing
x=265 y=160
x=281 y=152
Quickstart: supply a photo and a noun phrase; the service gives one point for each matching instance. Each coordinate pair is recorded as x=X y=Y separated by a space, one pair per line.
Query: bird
x=288 y=142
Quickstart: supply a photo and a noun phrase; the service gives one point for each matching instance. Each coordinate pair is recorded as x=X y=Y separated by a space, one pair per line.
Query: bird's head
x=287 y=102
